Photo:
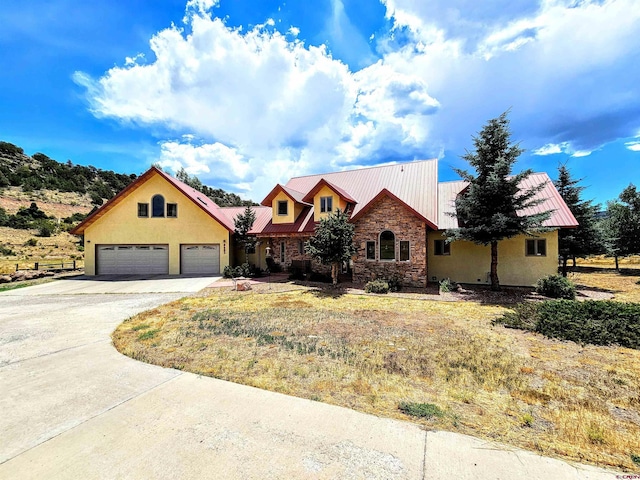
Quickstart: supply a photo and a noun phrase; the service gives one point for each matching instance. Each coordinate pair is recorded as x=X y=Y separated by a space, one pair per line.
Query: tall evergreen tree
x=243 y=223
x=622 y=223
x=586 y=239
x=332 y=242
x=490 y=208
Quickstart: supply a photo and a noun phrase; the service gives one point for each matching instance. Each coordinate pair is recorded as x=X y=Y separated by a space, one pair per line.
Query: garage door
x=133 y=259
x=200 y=259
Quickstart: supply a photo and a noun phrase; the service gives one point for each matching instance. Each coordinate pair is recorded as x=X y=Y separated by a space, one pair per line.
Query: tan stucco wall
x=258 y=258
x=293 y=209
x=337 y=202
x=470 y=263
x=121 y=225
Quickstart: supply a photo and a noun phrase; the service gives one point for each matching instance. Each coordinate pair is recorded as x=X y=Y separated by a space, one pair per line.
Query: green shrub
x=32 y=242
x=377 y=286
x=447 y=285
x=556 y=286
x=599 y=322
x=6 y=251
x=395 y=284
x=45 y=228
x=422 y=410
x=227 y=272
x=635 y=458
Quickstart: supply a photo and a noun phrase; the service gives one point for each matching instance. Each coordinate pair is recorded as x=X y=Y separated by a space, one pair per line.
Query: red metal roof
x=341 y=193
x=263 y=216
x=200 y=199
x=294 y=195
x=413 y=183
x=561 y=216
x=303 y=224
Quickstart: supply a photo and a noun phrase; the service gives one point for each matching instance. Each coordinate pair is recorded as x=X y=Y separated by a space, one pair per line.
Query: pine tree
x=622 y=223
x=488 y=210
x=243 y=223
x=586 y=239
x=332 y=242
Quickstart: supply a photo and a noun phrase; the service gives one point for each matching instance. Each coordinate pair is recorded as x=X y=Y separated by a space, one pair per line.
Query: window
x=251 y=249
x=404 y=250
x=283 y=207
x=157 y=206
x=387 y=245
x=441 y=247
x=143 y=209
x=371 y=250
x=537 y=247
x=300 y=247
x=282 y=251
x=172 y=210
x=326 y=204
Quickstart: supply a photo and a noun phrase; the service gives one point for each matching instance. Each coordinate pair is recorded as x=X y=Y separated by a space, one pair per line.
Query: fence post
x=16 y=267
x=74 y=264
x=36 y=266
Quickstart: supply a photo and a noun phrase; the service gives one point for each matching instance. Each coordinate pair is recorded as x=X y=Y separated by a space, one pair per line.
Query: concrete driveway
x=73 y=407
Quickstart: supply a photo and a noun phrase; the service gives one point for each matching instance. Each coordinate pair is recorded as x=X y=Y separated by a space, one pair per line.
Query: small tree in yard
x=586 y=239
x=488 y=210
x=243 y=223
x=332 y=242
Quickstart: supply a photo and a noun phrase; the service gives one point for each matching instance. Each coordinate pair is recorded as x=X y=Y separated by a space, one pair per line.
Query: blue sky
x=247 y=93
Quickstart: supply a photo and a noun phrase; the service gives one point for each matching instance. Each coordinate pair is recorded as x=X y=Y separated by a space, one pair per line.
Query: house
x=399 y=212
x=157 y=225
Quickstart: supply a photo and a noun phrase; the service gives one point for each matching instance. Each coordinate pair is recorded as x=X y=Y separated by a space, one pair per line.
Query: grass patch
x=635 y=458
x=420 y=410
x=372 y=353
x=15 y=285
x=149 y=334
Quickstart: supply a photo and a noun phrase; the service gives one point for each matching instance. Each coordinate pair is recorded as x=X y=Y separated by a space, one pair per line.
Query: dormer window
x=157 y=206
x=326 y=204
x=283 y=207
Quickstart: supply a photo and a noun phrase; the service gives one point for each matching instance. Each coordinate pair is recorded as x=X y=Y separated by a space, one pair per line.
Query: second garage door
x=200 y=259
x=133 y=259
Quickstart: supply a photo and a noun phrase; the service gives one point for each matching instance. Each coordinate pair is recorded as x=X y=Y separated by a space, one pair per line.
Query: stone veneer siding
x=389 y=214
x=292 y=252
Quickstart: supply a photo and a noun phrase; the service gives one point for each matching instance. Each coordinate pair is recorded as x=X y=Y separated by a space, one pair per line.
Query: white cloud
x=633 y=146
x=261 y=106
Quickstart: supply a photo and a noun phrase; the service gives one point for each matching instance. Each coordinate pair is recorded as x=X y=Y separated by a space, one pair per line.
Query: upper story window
x=143 y=209
x=326 y=204
x=537 y=247
x=387 y=245
x=172 y=210
x=441 y=247
x=157 y=206
x=283 y=207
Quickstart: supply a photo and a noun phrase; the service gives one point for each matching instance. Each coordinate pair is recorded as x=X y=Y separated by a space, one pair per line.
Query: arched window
x=387 y=245
x=157 y=206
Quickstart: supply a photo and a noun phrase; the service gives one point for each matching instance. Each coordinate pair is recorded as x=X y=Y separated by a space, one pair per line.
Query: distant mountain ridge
x=39 y=172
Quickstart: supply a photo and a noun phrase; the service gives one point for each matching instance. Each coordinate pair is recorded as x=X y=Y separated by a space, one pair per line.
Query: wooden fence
x=62 y=265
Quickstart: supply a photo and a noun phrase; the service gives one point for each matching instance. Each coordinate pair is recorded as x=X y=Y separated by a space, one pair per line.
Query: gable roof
x=263 y=216
x=297 y=197
x=561 y=216
x=414 y=184
x=200 y=199
x=386 y=193
x=323 y=182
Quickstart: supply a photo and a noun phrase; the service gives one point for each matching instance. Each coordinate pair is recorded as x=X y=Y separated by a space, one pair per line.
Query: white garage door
x=133 y=259
x=200 y=259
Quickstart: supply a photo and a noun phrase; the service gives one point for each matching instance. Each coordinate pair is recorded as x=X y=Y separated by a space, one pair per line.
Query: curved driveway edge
x=73 y=407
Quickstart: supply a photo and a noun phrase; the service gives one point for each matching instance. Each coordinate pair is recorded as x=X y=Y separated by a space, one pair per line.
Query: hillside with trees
x=41 y=199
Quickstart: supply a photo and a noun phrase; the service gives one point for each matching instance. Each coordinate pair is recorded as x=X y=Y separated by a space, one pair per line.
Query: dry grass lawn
x=370 y=353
